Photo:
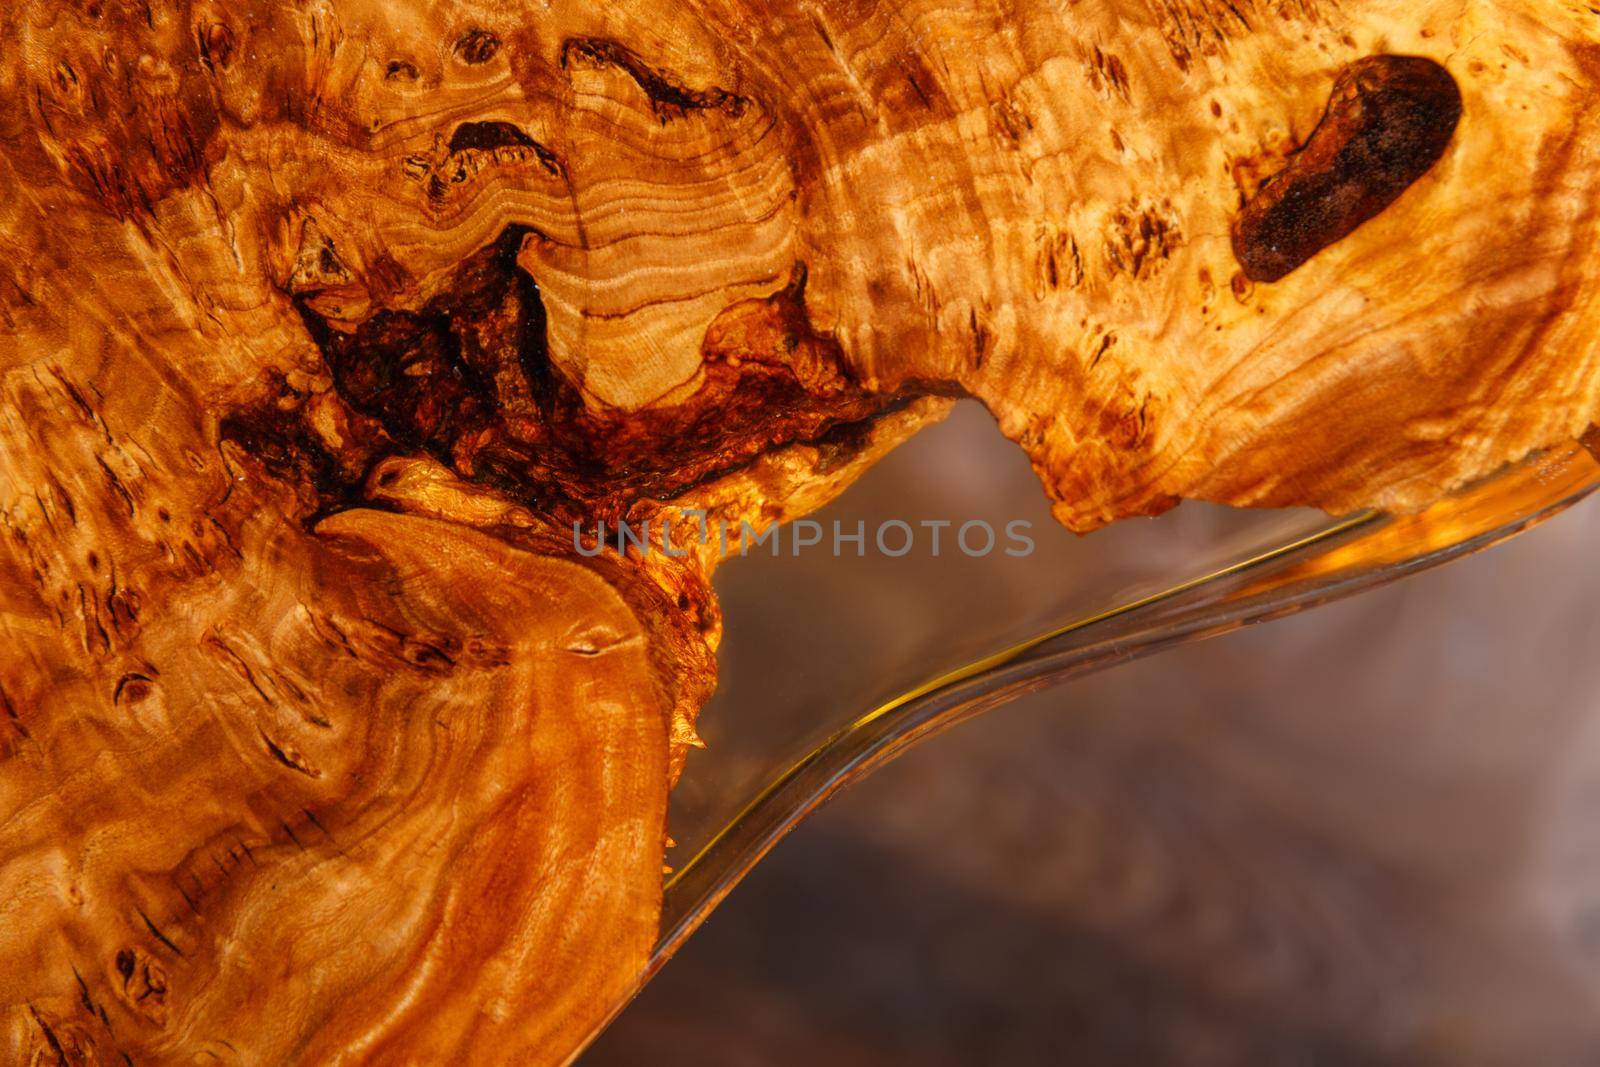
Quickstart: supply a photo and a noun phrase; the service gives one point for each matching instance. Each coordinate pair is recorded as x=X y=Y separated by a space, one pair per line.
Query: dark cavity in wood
x=468 y=379
x=1388 y=122
x=488 y=135
x=477 y=46
x=668 y=99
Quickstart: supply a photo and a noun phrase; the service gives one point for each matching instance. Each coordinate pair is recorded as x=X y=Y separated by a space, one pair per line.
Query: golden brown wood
x=325 y=320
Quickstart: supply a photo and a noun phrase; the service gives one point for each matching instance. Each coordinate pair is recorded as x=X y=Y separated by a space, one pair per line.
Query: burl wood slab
x=325 y=319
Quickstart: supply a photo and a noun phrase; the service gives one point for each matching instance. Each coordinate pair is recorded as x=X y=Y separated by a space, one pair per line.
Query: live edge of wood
x=325 y=321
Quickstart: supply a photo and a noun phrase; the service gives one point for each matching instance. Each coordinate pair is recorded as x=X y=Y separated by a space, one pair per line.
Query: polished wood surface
x=325 y=321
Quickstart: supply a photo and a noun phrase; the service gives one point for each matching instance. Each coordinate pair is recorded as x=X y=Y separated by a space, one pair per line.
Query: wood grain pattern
x=325 y=320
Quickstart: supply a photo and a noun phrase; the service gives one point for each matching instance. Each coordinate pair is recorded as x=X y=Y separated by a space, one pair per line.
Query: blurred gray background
x=1364 y=835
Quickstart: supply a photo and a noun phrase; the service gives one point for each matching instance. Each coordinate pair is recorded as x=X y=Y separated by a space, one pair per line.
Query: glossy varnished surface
x=323 y=742
x=1362 y=836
